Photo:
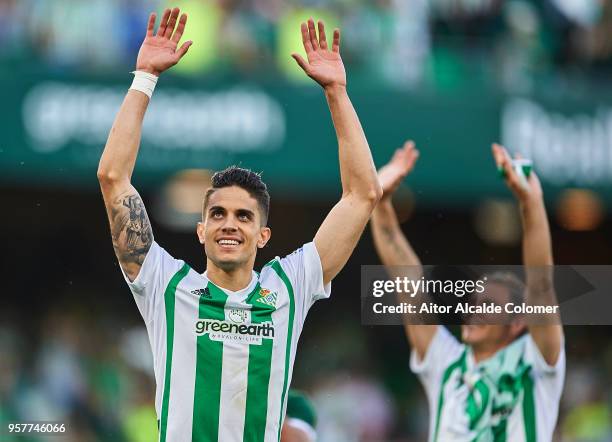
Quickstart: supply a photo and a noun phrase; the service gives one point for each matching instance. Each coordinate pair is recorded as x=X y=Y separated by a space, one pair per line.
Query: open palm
x=159 y=51
x=391 y=175
x=324 y=65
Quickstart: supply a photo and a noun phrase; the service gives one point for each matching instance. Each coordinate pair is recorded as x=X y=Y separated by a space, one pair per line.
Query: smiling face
x=232 y=229
x=492 y=332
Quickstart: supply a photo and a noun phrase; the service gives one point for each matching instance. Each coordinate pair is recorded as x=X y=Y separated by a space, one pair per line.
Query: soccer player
x=301 y=420
x=224 y=342
x=503 y=382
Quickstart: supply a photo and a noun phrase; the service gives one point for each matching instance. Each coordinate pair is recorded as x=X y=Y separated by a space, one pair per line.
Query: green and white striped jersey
x=513 y=396
x=223 y=360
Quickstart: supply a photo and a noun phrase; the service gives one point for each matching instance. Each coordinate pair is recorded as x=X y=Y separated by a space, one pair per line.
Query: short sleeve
x=443 y=350
x=540 y=367
x=303 y=268
x=548 y=383
x=148 y=287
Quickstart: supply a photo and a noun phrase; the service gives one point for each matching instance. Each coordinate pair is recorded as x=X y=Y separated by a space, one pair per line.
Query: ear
x=264 y=236
x=517 y=326
x=200 y=232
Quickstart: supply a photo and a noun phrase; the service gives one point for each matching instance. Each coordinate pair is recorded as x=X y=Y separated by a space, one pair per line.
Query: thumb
x=300 y=61
x=180 y=53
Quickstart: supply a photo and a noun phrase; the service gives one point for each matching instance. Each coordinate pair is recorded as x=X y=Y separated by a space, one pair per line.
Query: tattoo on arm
x=130 y=229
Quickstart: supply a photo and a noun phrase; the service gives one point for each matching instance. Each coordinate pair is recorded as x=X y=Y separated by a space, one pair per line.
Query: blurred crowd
x=404 y=42
x=93 y=370
x=96 y=377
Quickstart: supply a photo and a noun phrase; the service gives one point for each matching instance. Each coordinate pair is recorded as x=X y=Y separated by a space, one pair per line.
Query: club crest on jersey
x=267 y=297
x=238 y=315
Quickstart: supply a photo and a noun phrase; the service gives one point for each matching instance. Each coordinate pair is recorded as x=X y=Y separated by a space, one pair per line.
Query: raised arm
x=339 y=233
x=537 y=254
x=130 y=228
x=391 y=245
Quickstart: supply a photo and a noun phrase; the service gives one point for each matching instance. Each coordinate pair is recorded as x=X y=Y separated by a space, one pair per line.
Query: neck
x=483 y=354
x=234 y=280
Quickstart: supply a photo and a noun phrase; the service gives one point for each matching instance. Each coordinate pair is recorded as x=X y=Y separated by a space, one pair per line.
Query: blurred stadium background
x=454 y=75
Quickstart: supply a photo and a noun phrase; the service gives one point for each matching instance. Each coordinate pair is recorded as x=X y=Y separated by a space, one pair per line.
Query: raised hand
x=401 y=164
x=533 y=189
x=159 y=52
x=324 y=66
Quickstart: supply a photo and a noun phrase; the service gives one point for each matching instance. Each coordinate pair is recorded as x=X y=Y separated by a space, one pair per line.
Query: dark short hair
x=516 y=287
x=245 y=179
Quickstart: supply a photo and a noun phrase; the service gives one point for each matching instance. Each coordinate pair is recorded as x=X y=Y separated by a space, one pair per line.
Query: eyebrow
x=247 y=212
x=240 y=211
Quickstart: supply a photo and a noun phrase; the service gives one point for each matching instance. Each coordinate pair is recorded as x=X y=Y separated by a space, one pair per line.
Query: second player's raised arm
x=130 y=228
x=537 y=256
x=343 y=226
x=391 y=245
x=393 y=248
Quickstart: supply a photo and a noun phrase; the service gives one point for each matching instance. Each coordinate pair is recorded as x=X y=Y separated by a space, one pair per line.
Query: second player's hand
x=324 y=65
x=159 y=51
x=525 y=195
x=401 y=164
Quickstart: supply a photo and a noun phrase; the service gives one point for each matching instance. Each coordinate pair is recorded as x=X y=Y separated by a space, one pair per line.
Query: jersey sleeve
x=443 y=350
x=540 y=367
x=303 y=268
x=547 y=386
x=148 y=287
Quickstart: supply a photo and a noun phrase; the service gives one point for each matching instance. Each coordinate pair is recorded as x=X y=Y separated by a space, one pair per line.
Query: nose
x=229 y=225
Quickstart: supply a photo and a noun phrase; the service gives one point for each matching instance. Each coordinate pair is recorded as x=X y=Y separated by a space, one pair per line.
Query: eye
x=217 y=214
x=243 y=217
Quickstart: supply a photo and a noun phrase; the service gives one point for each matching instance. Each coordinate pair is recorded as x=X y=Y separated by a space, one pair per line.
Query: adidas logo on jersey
x=268 y=298
x=202 y=292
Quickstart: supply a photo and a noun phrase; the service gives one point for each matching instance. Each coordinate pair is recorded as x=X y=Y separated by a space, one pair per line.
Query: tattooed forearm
x=130 y=229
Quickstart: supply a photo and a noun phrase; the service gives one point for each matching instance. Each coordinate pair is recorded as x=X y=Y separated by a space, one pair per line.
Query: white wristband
x=144 y=82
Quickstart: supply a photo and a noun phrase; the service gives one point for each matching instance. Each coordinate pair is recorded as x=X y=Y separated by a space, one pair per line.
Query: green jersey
x=512 y=396
x=223 y=360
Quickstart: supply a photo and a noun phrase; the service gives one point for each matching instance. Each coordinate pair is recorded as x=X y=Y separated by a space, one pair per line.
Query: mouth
x=229 y=243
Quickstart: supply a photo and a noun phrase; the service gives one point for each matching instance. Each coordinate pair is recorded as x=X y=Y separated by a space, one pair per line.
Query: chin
x=227 y=264
x=473 y=334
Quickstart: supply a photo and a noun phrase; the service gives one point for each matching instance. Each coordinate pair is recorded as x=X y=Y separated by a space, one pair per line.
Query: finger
x=312 y=33
x=180 y=52
x=151 y=24
x=336 y=42
x=322 y=37
x=397 y=156
x=306 y=38
x=163 y=23
x=408 y=145
x=498 y=155
x=180 y=29
x=300 y=61
x=506 y=156
x=511 y=176
x=171 y=23
x=413 y=155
